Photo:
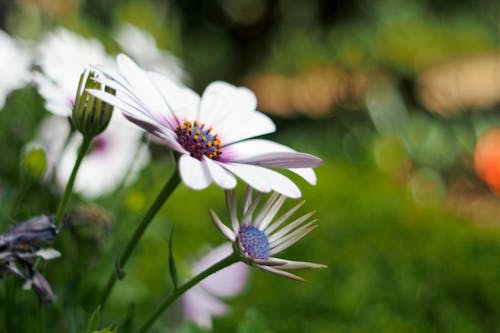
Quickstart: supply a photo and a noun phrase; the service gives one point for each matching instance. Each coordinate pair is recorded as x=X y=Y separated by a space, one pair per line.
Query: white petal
x=192 y=173
x=264 y=180
x=273 y=226
x=290 y=264
x=145 y=89
x=219 y=175
x=281 y=273
x=228 y=233
x=249 y=175
x=245 y=126
x=258 y=149
x=222 y=101
x=184 y=102
x=284 y=160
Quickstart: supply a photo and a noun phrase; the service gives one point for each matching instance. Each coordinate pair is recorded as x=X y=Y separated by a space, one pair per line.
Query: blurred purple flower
x=202 y=302
x=19 y=252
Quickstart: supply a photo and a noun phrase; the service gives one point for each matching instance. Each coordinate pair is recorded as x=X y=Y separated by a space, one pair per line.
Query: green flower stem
x=69 y=186
x=229 y=260
x=165 y=193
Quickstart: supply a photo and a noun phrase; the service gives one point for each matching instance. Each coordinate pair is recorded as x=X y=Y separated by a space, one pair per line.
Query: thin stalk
x=69 y=186
x=229 y=260
x=165 y=193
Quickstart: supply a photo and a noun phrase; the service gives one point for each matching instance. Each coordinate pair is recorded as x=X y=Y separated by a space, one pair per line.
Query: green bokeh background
x=400 y=259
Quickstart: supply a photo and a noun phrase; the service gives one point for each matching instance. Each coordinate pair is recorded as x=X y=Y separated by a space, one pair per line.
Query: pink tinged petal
x=184 y=102
x=284 y=160
x=249 y=150
x=269 y=262
x=193 y=173
x=228 y=233
x=170 y=139
x=281 y=273
x=293 y=225
x=282 y=219
x=145 y=89
x=289 y=240
x=219 y=175
x=227 y=282
x=222 y=101
x=272 y=212
x=231 y=204
x=199 y=306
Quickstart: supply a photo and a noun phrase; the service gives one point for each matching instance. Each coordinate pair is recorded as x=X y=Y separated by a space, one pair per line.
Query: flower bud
x=34 y=162
x=91 y=116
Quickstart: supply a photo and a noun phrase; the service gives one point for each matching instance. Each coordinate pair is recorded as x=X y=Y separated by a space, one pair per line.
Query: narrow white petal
x=272 y=212
x=291 y=264
x=285 y=230
x=192 y=173
x=247 y=218
x=283 y=218
x=232 y=209
x=248 y=199
x=292 y=241
x=265 y=209
x=222 y=227
x=219 y=175
x=281 y=273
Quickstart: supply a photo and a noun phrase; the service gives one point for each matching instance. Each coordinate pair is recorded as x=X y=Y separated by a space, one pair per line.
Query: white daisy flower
x=110 y=159
x=15 y=63
x=62 y=57
x=261 y=237
x=210 y=133
x=142 y=47
x=202 y=302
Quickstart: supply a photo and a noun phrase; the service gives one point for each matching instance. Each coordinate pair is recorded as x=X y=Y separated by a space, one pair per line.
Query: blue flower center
x=254 y=242
x=198 y=141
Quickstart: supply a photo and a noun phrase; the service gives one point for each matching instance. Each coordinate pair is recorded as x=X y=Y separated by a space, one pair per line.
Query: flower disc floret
x=199 y=141
x=254 y=242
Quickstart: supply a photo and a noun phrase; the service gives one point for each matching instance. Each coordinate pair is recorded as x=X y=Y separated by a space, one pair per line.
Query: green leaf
x=94 y=319
x=171 y=261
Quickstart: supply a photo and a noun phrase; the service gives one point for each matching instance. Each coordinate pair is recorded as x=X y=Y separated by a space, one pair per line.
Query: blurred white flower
x=201 y=302
x=142 y=47
x=212 y=133
x=259 y=238
x=15 y=63
x=115 y=154
x=62 y=56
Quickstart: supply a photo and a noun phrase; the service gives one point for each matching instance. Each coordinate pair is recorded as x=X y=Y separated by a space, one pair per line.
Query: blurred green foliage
x=395 y=265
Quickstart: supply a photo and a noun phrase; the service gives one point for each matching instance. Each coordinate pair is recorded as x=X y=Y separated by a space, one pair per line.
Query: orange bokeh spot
x=487 y=159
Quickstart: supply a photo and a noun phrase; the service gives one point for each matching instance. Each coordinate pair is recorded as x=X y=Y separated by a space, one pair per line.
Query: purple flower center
x=254 y=242
x=198 y=141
